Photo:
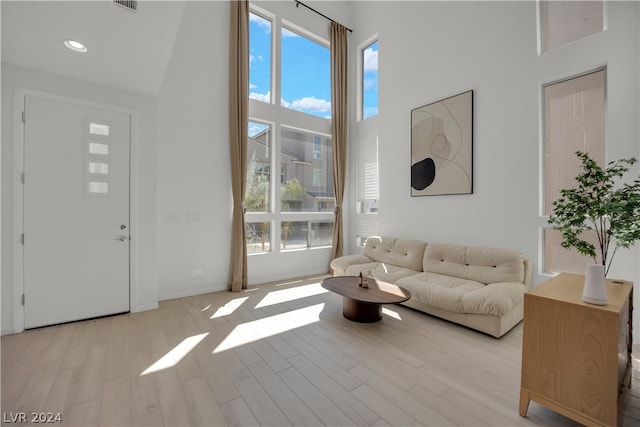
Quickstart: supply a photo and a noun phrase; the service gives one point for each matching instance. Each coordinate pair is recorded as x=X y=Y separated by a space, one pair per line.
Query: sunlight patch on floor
x=388 y=312
x=255 y=330
x=291 y=294
x=175 y=355
x=229 y=307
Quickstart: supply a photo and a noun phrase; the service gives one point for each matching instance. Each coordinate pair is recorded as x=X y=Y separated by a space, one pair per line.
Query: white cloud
x=370 y=60
x=252 y=86
x=254 y=57
x=311 y=103
x=288 y=33
x=370 y=83
x=264 y=97
x=260 y=22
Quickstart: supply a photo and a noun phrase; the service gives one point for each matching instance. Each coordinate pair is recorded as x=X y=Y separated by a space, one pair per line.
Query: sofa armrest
x=340 y=264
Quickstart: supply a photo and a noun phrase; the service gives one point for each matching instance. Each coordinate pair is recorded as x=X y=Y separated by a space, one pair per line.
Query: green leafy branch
x=600 y=204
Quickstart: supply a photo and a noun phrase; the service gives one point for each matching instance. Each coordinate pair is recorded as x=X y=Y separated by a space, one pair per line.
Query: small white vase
x=595 y=289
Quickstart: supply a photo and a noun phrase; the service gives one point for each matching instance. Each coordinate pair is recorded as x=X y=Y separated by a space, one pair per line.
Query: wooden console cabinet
x=575 y=355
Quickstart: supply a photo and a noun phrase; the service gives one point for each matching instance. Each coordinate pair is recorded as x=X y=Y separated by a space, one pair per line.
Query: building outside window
x=317 y=147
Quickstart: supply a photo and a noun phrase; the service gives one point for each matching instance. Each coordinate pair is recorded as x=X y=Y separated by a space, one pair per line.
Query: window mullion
x=275 y=187
x=277 y=57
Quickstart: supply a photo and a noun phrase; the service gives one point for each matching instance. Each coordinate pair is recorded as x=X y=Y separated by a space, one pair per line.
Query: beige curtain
x=339 y=117
x=238 y=134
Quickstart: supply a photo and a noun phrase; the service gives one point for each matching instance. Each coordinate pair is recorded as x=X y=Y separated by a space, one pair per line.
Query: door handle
x=122 y=238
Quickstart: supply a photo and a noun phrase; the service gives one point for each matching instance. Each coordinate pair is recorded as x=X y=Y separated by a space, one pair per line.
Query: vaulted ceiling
x=126 y=50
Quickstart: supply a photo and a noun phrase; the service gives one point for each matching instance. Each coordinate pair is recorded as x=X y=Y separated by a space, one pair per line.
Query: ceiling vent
x=130 y=5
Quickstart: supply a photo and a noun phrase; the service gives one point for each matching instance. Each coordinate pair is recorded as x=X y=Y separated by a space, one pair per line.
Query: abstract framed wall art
x=442 y=147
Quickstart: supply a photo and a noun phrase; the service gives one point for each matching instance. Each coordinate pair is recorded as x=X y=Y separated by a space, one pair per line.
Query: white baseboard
x=190 y=292
x=145 y=307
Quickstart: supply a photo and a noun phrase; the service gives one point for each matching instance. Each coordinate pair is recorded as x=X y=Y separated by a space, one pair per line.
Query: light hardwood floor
x=278 y=354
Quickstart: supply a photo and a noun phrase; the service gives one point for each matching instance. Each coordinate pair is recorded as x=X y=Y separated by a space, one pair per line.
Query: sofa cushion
x=495 y=298
x=463 y=295
x=386 y=272
x=485 y=265
x=399 y=252
x=437 y=290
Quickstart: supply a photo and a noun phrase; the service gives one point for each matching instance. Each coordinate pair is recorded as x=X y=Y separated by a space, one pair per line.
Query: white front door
x=76 y=212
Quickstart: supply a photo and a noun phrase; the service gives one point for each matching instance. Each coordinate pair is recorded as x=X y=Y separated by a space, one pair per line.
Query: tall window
x=574 y=120
x=289 y=196
x=563 y=22
x=369 y=80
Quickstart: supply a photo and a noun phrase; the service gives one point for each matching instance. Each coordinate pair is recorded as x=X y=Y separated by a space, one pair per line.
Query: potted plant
x=603 y=205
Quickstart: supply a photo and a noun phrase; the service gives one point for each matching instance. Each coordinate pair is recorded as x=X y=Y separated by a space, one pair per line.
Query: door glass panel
x=99 y=168
x=97 y=148
x=98 y=187
x=98 y=129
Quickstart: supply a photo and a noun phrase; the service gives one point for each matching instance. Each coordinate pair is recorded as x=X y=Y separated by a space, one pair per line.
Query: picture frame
x=442 y=147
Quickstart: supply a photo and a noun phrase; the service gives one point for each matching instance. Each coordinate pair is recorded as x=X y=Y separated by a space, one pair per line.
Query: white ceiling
x=127 y=50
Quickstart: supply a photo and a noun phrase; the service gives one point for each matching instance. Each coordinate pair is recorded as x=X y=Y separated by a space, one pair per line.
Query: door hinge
x=22 y=238
x=24 y=117
x=22 y=299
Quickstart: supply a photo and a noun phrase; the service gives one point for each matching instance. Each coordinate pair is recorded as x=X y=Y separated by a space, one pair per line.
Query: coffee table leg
x=361 y=312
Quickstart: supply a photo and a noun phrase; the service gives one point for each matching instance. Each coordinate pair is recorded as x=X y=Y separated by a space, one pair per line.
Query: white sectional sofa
x=478 y=287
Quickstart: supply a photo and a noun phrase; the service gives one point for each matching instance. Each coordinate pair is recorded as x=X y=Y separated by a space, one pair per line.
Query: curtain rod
x=299 y=3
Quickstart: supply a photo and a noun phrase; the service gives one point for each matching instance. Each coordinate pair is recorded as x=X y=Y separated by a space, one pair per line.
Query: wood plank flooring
x=275 y=355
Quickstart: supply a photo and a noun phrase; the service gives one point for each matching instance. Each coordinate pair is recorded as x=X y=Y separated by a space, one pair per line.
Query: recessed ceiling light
x=75 y=46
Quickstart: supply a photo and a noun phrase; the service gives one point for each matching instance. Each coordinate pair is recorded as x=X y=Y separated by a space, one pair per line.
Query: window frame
x=542 y=204
x=543 y=26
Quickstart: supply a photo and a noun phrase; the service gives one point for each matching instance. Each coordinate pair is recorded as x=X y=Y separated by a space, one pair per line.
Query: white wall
x=432 y=50
x=144 y=272
x=194 y=184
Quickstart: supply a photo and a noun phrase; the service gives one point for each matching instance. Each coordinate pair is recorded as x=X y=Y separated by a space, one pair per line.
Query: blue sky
x=370 y=80
x=305 y=70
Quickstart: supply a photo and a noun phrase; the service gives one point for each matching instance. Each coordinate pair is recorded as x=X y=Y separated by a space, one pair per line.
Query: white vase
x=595 y=289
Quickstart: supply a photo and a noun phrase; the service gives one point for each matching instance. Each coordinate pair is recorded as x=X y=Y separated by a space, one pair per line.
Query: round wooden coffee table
x=365 y=304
